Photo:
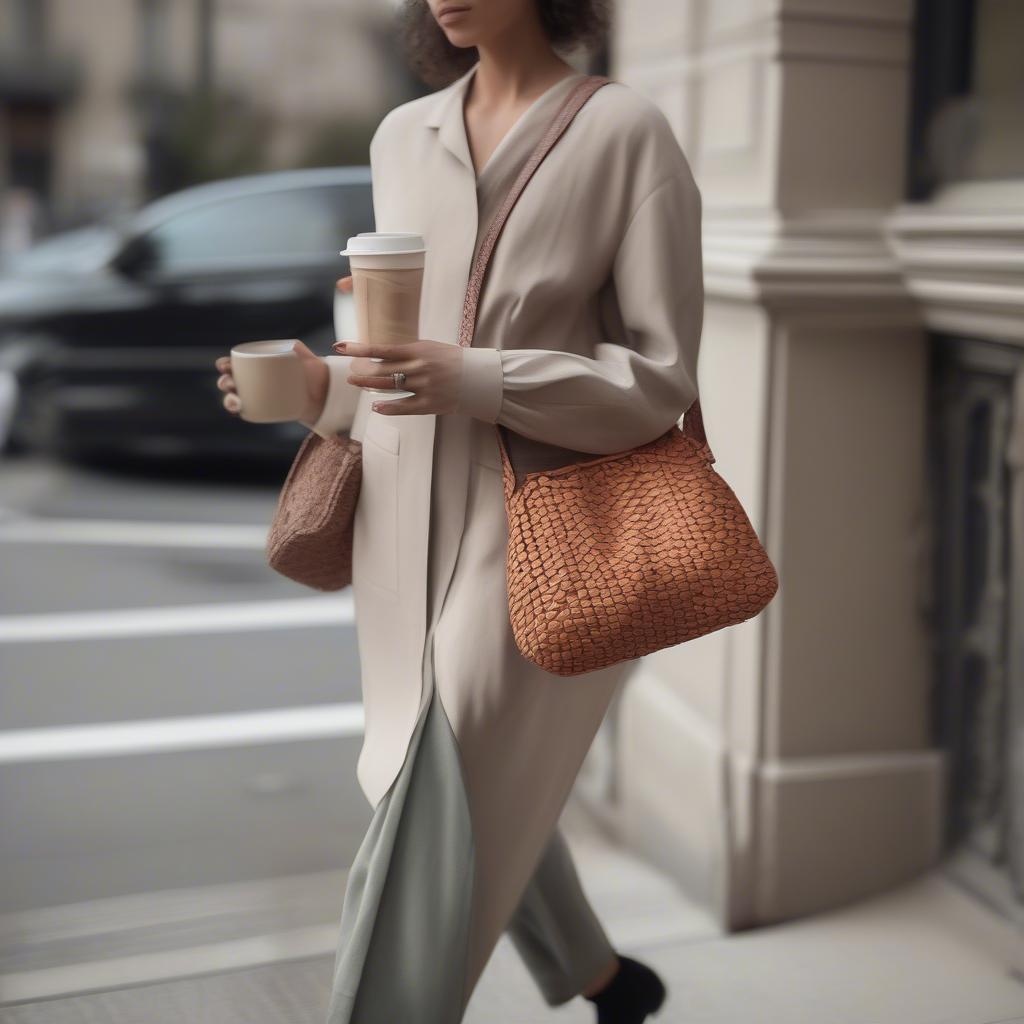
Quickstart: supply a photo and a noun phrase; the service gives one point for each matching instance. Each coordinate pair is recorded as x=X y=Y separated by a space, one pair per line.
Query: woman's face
x=472 y=22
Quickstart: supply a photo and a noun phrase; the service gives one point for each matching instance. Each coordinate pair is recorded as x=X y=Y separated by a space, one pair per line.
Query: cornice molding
x=954 y=265
x=795 y=31
x=831 y=261
x=963 y=259
x=875 y=34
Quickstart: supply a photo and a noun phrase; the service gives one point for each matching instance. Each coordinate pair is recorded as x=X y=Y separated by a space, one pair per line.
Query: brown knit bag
x=621 y=555
x=310 y=538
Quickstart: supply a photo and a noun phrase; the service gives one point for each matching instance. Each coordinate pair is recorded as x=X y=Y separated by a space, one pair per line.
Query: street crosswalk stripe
x=192 y=732
x=225 y=617
x=133 y=533
x=146 y=968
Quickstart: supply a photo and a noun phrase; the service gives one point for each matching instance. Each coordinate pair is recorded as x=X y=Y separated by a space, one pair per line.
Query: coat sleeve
x=340 y=405
x=623 y=395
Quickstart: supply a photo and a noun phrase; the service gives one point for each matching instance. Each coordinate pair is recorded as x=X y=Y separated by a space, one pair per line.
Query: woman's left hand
x=433 y=371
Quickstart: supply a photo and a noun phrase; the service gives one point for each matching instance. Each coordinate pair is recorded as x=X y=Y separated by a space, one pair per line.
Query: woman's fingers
x=226 y=382
x=344 y=284
x=369 y=350
x=386 y=367
x=368 y=373
x=381 y=380
x=402 y=406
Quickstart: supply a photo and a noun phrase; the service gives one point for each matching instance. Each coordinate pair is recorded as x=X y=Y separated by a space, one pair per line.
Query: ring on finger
x=376 y=381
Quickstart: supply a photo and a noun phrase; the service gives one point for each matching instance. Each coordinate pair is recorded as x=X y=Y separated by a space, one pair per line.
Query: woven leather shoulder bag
x=310 y=537
x=620 y=555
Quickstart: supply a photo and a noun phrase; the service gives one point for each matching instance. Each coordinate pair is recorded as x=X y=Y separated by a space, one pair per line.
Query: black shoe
x=634 y=992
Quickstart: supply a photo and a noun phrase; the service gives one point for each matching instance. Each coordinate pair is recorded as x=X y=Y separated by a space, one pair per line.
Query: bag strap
x=693 y=423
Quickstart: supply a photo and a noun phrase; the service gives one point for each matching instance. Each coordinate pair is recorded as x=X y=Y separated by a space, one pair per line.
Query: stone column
x=783 y=766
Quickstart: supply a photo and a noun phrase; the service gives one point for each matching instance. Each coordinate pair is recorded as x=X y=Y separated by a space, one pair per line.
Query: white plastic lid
x=379 y=243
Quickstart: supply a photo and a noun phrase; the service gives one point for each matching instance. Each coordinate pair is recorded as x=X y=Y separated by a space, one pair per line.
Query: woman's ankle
x=634 y=992
x=598 y=983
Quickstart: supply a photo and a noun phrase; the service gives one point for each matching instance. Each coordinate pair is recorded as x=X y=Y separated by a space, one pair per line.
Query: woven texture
x=618 y=556
x=310 y=537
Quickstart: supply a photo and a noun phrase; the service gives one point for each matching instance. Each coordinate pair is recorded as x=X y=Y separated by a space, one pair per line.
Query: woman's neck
x=516 y=70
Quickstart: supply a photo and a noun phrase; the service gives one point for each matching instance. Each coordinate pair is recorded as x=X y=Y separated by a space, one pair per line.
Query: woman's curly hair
x=567 y=23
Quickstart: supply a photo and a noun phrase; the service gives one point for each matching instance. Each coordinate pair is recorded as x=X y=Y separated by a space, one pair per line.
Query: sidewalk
x=925 y=953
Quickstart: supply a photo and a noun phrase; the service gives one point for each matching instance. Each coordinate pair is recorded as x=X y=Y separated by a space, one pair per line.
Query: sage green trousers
x=402 y=947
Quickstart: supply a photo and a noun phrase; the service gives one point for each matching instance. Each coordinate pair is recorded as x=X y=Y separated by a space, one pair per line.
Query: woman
x=586 y=344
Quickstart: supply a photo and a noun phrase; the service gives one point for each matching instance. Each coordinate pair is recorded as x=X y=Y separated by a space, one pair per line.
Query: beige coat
x=587 y=338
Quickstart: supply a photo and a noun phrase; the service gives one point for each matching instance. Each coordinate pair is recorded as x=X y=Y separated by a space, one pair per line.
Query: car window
x=285 y=226
x=353 y=206
x=80 y=249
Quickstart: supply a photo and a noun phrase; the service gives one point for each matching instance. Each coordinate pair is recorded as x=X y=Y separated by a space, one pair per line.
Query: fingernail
x=339 y=345
x=375 y=406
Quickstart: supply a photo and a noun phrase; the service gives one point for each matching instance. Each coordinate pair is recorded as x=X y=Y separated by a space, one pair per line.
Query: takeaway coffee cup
x=387 y=280
x=269 y=379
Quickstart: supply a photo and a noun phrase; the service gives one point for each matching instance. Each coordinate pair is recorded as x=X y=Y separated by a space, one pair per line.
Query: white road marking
x=133 y=533
x=194 y=732
x=143 y=968
x=294 y=613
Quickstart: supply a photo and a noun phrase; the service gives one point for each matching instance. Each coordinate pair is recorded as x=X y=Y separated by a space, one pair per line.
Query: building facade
x=88 y=90
x=860 y=381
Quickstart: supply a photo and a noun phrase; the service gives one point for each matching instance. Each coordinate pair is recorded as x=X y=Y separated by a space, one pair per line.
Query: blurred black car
x=111 y=333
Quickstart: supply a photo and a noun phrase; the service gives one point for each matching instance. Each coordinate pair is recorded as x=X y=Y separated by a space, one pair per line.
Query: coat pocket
x=375 y=536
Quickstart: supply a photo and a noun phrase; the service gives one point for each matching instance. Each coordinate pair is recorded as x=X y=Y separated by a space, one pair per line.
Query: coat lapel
x=446 y=115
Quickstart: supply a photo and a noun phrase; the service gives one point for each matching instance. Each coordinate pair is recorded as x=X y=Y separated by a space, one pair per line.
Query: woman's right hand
x=314 y=366
x=316 y=374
